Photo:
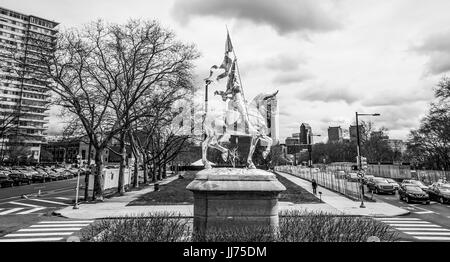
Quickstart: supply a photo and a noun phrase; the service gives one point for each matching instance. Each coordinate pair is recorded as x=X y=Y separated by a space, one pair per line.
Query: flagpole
x=239 y=74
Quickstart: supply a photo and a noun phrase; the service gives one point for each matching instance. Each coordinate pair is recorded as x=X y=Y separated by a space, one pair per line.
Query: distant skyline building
x=24 y=96
x=352 y=132
x=335 y=134
x=305 y=134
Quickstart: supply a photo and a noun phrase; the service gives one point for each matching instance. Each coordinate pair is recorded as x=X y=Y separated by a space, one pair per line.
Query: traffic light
x=363 y=163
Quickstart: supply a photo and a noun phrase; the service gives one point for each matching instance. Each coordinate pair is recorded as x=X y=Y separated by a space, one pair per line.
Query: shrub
x=294 y=226
x=297 y=226
x=160 y=227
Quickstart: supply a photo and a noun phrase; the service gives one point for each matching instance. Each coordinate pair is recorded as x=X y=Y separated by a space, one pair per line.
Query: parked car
x=394 y=183
x=415 y=182
x=28 y=172
x=53 y=174
x=20 y=178
x=367 y=178
x=61 y=173
x=413 y=193
x=5 y=180
x=352 y=177
x=41 y=176
x=380 y=185
x=440 y=192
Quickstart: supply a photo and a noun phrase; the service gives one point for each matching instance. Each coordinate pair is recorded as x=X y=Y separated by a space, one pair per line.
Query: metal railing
x=333 y=179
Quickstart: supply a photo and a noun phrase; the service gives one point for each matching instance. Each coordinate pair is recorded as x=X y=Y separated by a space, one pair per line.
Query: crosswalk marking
x=48 y=201
x=427 y=233
x=406 y=222
x=31 y=211
x=422 y=229
x=40 y=234
x=396 y=218
x=11 y=211
x=53 y=231
x=433 y=238
x=62 y=198
x=424 y=212
x=418 y=229
x=22 y=204
x=32 y=239
x=59 y=225
x=410 y=225
x=49 y=229
x=66 y=222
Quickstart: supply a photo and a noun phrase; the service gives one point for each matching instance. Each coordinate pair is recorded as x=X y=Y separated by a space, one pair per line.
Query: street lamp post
x=358 y=147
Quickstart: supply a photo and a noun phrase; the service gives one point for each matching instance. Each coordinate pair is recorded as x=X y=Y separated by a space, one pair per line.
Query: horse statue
x=254 y=116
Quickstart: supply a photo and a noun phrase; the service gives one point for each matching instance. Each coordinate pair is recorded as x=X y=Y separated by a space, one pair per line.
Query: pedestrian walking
x=314 y=186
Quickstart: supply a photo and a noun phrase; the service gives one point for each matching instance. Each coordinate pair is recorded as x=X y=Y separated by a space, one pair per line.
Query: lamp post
x=358 y=146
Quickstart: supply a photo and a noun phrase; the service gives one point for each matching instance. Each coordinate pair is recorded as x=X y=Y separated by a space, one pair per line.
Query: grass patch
x=175 y=193
x=295 y=193
x=294 y=226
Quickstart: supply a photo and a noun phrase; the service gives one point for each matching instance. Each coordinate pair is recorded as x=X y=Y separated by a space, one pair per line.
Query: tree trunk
x=164 y=173
x=99 y=179
x=145 y=167
x=123 y=159
x=86 y=178
x=136 y=174
x=159 y=172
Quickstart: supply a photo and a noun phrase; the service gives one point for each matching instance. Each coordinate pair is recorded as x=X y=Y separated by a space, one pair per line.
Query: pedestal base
x=227 y=198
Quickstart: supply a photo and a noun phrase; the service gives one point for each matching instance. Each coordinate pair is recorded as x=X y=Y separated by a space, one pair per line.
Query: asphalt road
x=21 y=206
x=424 y=223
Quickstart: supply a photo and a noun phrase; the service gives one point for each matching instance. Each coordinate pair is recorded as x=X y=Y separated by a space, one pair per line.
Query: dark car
x=413 y=193
x=380 y=185
x=5 y=180
x=20 y=178
x=440 y=192
x=41 y=176
x=394 y=183
x=415 y=182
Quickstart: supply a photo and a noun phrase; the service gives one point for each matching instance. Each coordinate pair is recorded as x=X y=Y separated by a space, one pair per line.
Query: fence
x=331 y=178
x=430 y=176
x=396 y=172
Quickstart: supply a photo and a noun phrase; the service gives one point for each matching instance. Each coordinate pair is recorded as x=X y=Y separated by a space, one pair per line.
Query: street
x=424 y=223
x=26 y=205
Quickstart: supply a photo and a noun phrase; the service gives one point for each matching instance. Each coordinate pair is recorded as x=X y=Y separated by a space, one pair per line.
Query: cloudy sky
x=328 y=59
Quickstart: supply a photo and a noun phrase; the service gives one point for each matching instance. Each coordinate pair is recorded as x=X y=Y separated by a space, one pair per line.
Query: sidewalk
x=334 y=204
x=347 y=206
x=116 y=206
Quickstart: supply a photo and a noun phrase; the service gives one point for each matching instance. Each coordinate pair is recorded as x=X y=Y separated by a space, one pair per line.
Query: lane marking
x=31 y=210
x=59 y=225
x=405 y=222
x=422 y=229
x=49 y=229
x=424 y=212
x=412 y=225
x=11 y=211
x=32 y=239
x=48 y=201
x=65 y=222
x=433 y=238
x=40 y=234
x=22 y=204
x=429 y=233
x=63 y=198
x=395 y=218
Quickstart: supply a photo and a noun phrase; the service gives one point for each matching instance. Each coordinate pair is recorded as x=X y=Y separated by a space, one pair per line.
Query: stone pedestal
x=231 y=197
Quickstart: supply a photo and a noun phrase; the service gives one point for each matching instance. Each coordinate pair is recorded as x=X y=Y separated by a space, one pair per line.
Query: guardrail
x=333 y=180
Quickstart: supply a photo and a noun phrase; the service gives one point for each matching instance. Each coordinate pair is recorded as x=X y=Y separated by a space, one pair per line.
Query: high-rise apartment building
x=23 y=90
x=334 y=134
x=305 y=134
